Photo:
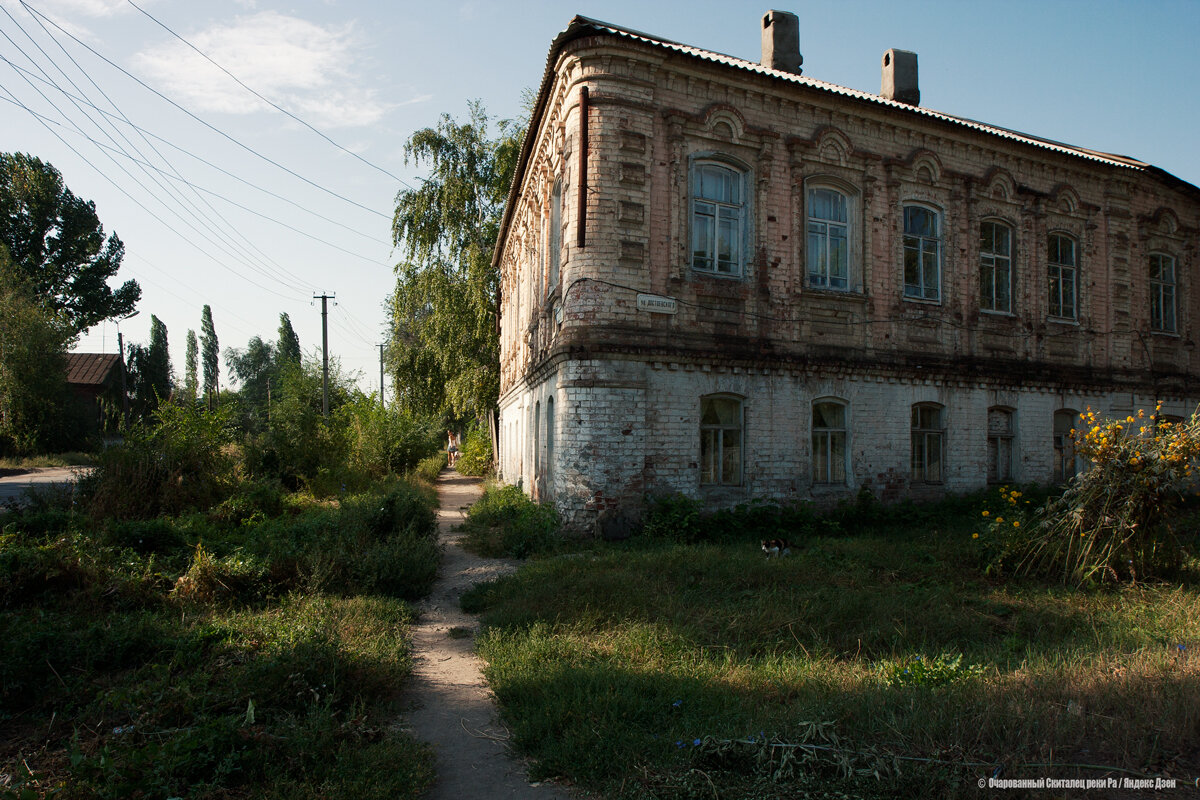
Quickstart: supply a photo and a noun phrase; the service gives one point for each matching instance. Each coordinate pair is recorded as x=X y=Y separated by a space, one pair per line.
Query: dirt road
x=13 y=487
x=453 y=709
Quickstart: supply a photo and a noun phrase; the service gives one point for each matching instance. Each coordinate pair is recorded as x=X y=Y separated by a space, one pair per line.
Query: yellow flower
x=999 y=519
x=985 y=513
x=1016 y=524
x=1129 y=419
x=974 y=535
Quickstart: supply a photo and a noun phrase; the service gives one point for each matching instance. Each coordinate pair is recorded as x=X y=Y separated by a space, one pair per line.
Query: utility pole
x=381 y=403
x=324 y=298
x=124 y=385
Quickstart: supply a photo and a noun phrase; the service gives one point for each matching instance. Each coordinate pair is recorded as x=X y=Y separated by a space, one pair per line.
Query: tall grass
x=254 y=650
x=636 y=670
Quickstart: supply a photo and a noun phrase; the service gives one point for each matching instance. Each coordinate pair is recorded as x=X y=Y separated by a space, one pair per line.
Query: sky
x=221 y=198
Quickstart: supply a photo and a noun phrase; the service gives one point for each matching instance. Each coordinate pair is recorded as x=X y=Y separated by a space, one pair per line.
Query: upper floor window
x=1063 y=273
x=922 y=253
x=555 y=233
x=927 y=443
x=720 y=441
x=1000 y=444
x=828 y=239
x=829 y=442
x=995 y=266
x=1162 y=293
x=718 y=218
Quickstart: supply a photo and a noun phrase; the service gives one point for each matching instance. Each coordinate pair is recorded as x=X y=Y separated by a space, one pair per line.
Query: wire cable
x=206 y=124
x=271 y=103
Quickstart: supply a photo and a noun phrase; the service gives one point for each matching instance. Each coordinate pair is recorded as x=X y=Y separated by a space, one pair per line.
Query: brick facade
x=601 y=401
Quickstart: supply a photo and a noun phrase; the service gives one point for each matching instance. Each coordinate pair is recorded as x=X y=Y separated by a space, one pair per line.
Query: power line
x=189 y=208
x=213 y=192
x=147 y=133
x=271 y=103
x=208 y=125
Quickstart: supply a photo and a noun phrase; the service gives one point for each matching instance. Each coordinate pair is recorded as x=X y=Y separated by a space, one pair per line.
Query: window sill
x=848 y=295
x=1063 y=321
x=720 y=275
x=1166 y=335
x=921 y=300
x=987 y=312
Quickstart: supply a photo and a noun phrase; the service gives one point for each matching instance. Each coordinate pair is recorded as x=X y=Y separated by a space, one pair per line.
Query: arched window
x=995 y=266
x=536 y=423
x=1063 y=273
x=829 y=442
x=828 y=251
x=927 y=443
x=1162 y=293
x=922 y=253
x=720 y=441
x=1000 y=444
x=555 y=233
x=1065 y=463
x=718 y=218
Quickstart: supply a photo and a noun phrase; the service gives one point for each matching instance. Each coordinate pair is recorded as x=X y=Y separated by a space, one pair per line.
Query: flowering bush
x=1113 y=520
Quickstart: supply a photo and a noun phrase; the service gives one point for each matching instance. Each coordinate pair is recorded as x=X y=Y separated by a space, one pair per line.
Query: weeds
x=505 y=522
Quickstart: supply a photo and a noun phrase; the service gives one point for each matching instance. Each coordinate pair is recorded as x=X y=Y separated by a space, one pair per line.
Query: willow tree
x=445 y=348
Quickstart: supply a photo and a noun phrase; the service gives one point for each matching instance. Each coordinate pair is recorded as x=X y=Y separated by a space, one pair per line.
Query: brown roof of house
x=91 y=369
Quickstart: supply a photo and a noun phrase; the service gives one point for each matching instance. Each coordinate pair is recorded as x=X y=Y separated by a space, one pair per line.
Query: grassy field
x=884 y=663
x=255 y=650
x=17 y=465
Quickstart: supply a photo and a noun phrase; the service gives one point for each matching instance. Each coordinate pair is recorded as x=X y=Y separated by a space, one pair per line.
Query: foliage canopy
x=57 y=244
x=444 y=348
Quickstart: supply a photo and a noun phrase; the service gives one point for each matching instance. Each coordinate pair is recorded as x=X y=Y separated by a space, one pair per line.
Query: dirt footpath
x=452 y=707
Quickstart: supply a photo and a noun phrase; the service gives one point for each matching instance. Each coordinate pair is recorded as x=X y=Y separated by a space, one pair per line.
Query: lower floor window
x=1000 y=445
x=829 y=443
x=927 y=443
x=1064 y=446
x=720 y=441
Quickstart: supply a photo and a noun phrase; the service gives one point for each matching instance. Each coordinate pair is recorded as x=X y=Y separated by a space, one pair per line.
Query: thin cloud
x=304 y=67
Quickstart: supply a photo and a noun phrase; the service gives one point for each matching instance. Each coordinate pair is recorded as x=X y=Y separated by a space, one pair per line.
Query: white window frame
x=735 y=210
x=712 y=443
x=923 y=248
x=1060 y=274
x=928 y=439
x=822 y=233
x=993 y=263
x=1163 y=293
x=825 y=467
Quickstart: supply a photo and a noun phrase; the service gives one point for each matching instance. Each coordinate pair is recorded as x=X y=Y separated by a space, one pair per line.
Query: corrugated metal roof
x=580 y=24
x=90 y=369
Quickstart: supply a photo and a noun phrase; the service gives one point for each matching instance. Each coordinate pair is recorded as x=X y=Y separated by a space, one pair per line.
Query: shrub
x=382 y=441
x=1113 y=521
x=179 y=461
x=476 y=455
x=211 y=579
x=428 y=469
x=505 y=522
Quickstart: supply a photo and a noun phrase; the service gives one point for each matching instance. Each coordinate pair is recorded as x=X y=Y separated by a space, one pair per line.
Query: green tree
x=33 y=382
x=191 y=381
x=57 y=244
x=287 y=349
x=254 y=368
x=210 y=354
x=149 y=369
x=444 y=342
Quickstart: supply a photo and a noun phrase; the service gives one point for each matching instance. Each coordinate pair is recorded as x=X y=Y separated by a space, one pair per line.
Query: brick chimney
x=899 y=77
x=781 y=41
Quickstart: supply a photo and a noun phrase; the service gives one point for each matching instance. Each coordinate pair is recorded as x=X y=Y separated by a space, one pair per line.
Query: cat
x=774 y=548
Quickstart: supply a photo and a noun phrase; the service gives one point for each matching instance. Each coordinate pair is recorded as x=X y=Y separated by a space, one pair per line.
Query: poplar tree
x=287 y=350
x=191 y=381
x=445 y=348
x=210 y=352
x=149 y=369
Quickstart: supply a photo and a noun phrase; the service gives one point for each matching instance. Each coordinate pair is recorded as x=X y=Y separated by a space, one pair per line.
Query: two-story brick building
x=727 y=279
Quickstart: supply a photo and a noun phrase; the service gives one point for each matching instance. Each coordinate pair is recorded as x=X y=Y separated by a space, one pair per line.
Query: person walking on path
x=452 y=707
